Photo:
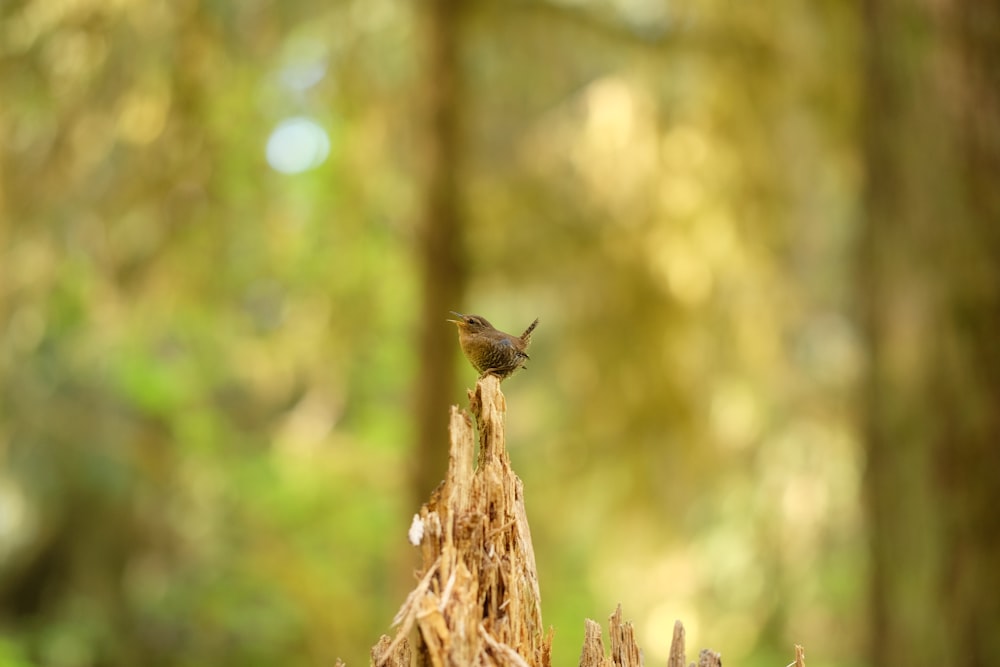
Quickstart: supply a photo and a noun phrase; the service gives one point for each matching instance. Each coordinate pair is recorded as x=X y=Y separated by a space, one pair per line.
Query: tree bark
x=443 y=273
x=930 y=261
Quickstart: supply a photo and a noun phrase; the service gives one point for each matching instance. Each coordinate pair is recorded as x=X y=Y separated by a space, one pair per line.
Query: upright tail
x=526 y=336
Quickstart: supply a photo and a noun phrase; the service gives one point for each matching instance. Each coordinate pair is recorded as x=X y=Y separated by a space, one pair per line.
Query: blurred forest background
x=763 y=239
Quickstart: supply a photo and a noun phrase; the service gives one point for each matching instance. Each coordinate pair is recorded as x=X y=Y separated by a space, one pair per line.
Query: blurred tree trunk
x=440 y=245
x=931 y=270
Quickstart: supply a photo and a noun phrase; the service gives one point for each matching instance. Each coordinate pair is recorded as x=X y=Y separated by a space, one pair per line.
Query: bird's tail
x=526 y=336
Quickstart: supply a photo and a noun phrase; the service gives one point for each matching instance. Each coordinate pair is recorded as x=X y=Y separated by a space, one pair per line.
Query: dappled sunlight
x=614 y=146
x=222 y=228
x=687 y=275
x=305 y=64
x=142 y=115
x=695 y=244
x=656 y=628
x=735 y=414
x=685 y=172
x=19 y=522
x=296 y=145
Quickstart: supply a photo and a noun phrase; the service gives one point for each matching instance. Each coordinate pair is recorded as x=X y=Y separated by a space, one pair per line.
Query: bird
x=490 y=351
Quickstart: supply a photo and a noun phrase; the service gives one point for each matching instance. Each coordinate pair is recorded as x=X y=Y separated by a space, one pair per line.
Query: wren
x=490 y=351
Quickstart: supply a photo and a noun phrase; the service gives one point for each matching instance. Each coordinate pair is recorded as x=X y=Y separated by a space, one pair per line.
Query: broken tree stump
x=477 y=600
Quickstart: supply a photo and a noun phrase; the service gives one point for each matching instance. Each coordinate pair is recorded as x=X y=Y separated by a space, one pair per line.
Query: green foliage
x=209 y=364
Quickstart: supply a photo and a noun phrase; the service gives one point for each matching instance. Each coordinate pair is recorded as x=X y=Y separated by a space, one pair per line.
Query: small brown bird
x=492 y=352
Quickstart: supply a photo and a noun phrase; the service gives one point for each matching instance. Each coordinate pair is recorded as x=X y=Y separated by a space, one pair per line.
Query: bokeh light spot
x=296 y=145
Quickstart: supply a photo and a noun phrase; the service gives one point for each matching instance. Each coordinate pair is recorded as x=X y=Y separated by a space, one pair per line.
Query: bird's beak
x=460 y=317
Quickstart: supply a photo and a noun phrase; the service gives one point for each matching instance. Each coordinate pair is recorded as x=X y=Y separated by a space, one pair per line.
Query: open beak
x=460 y=316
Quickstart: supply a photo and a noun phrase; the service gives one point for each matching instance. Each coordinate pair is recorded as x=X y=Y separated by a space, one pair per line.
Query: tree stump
x=477 y=600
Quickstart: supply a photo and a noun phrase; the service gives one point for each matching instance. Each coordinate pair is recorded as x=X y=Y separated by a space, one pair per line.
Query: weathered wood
x=624 y=650
x=707 y=658
x=381 y=653
x=677 y=655
x=477 y=601
x=593 y=646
